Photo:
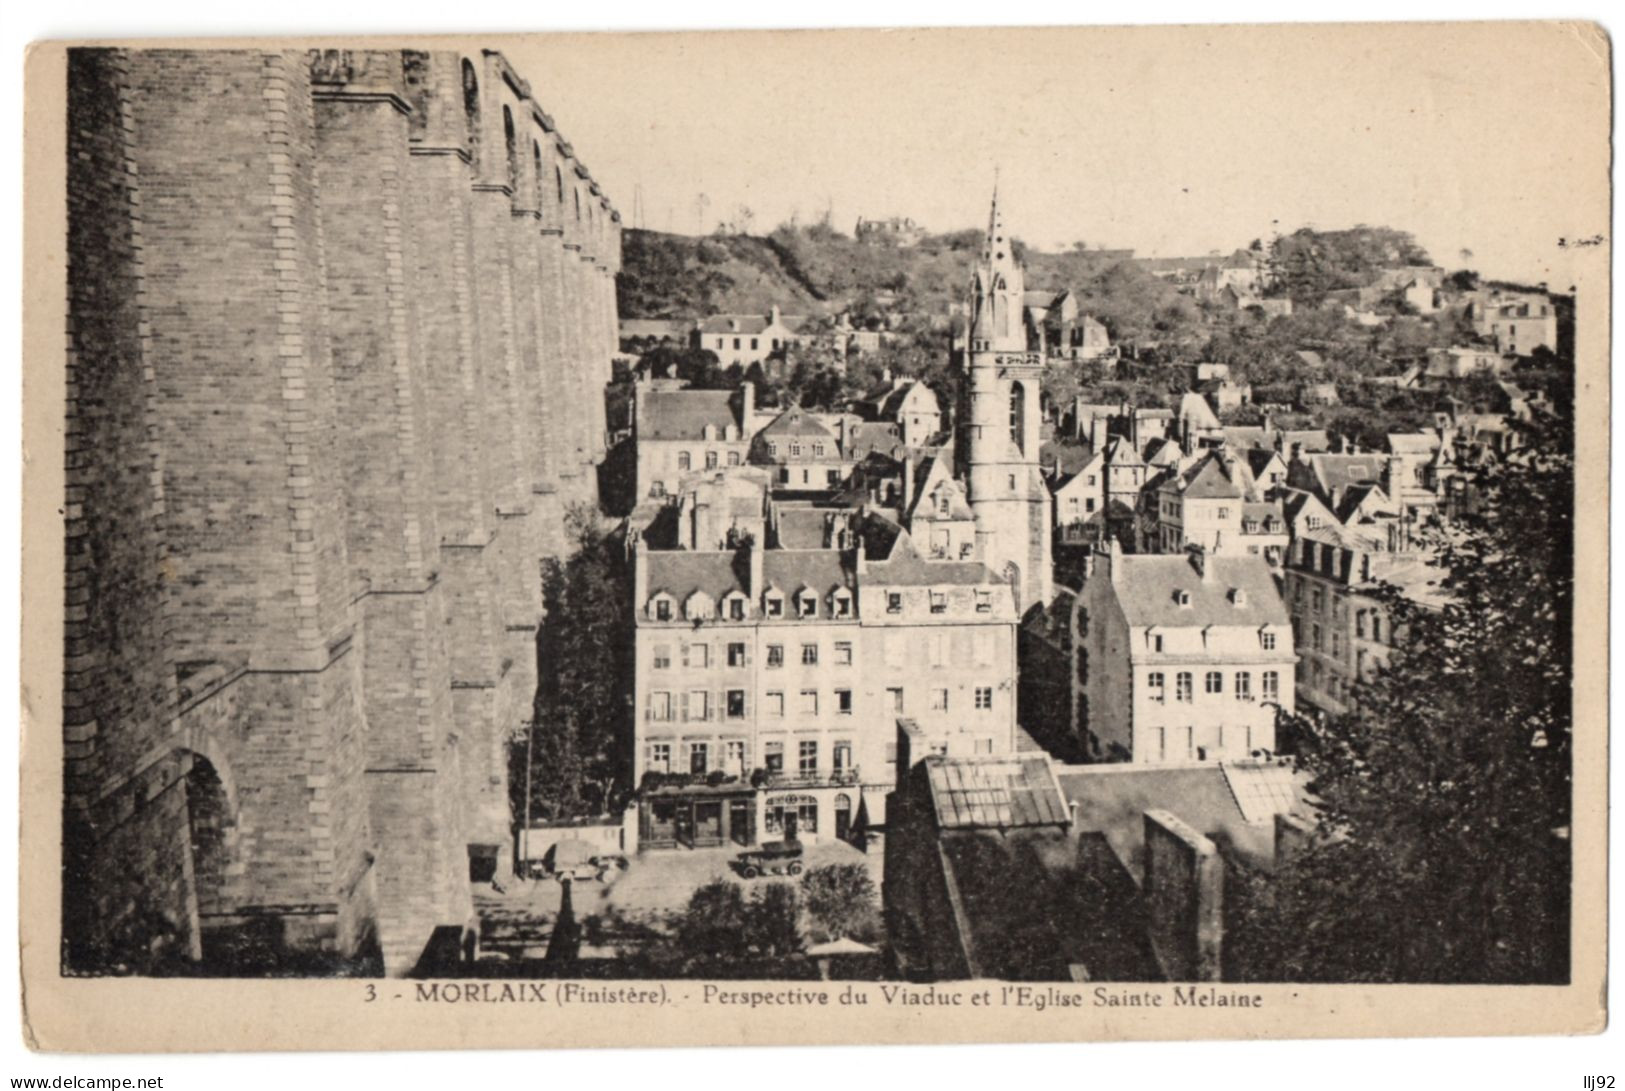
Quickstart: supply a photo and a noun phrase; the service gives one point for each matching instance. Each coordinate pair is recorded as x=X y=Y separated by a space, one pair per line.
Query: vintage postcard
x=933 y=535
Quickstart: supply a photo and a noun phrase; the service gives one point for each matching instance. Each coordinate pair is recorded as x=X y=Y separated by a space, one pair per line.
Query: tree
x=721 y=931
x=841 y=900
x=575 y=759
x=713 y=924
x=1442 y=854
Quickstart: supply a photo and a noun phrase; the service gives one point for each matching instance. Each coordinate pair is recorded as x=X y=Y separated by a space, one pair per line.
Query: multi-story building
x=1199 y=506
x=769 y=682
x=909 y=404
x=1179 y=658
x=1518 y=322
x=1460 y=361
x=746 y=339
x=678 y=433
x=803 y=452
x=1344 y=631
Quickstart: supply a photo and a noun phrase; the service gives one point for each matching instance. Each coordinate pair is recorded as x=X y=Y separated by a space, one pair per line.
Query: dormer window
x=1182 y=597
x=710 y=431
x=939 y=602
x=841 y=603
x=1238 y=597
x=818 y=450
x=734 y=606
x=731 y=433
x=806 y=604
x=984 y=602
x=773 y=604
x=795 y=449
x=660 y=608
x=700 y=607
x=944 y=504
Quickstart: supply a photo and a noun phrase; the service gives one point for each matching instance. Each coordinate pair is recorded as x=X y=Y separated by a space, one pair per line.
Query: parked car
x=772 y=858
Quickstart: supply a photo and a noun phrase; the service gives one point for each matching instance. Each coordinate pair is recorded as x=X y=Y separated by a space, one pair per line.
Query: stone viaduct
x=339 y=324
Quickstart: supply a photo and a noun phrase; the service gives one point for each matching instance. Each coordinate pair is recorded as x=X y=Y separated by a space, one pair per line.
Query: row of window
x=737 y=654
x=938 y=601
x=794 y=448
x=1213 y=685
x=1184 y=743
x=738 y=342
x=701 y=756
x=1266 y=638
x=734 y=704
x=832 y=478
x=685 y=460
x=736 y=606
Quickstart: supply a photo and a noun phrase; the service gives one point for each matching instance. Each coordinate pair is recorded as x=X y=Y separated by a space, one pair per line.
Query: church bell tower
x=999 y=425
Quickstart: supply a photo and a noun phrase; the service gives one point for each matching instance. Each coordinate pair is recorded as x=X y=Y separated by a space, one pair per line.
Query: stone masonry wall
x=328 y=366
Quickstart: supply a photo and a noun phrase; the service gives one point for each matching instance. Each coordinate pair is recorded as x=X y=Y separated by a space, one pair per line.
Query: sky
x=1487 y=137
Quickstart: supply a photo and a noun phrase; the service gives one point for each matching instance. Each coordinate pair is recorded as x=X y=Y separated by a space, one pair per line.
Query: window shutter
x=685 y=698
x=719 y=705
x=685 y=655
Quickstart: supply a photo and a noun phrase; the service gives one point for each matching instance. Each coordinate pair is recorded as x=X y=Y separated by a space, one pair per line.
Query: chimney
x=908 y=483
x=1201 y=562
x=756 y=588
x=1114 y=560
x=733 y=324
x=640 y=573
x=860 y=561
x=637 y=410
x=747 y=407
x=773 y=315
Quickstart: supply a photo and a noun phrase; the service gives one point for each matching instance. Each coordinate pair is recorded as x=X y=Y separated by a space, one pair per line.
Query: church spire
x=997 y=290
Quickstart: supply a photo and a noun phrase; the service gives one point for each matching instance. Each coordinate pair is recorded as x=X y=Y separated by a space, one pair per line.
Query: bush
x=841 y=900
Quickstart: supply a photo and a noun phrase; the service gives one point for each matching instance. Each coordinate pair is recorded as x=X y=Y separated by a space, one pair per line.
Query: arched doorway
x=211 y=834
x=843 y=817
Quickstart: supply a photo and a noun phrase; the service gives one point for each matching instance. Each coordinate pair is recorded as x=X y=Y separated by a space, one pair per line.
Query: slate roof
x=904 y=567
x=683 y=414
x=681 y=572
x=1355 y=495
x=1412 y=443
x=796 y=422
x=1112 y=800
x=1147 y=584
x=1068 y=459
x=873 y=437
x=790 y=570
x=1259 y=458
x=1004 y=792
x=803 y=527
x=1264 y=513
x=1196 y=413
x=1205 y=481
x=1336 y=473
x=747 y=324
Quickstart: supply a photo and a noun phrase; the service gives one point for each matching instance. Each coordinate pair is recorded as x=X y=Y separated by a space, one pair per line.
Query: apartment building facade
x=1179 y=658
x=769 y=683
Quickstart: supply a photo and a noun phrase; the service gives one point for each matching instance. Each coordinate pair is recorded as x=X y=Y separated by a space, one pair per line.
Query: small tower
x=999 y=425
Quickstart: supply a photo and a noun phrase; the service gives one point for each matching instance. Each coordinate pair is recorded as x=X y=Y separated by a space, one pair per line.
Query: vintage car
x=772 y=858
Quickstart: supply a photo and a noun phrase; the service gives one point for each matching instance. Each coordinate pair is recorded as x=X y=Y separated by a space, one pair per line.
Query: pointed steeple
x=997 y=290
